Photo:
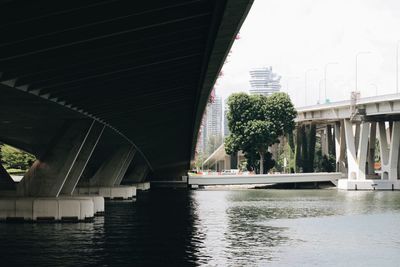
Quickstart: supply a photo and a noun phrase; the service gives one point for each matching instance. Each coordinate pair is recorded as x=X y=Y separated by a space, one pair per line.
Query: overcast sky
x=293 y=36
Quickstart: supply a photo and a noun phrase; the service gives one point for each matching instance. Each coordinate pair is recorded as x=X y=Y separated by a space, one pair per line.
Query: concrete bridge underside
x=144 y=69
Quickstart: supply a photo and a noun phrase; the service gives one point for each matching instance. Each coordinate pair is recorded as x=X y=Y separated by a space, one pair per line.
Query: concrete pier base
x=98 y=203
x=115 y=192
x=142 y=186
x=345 y=184
x=50 y=209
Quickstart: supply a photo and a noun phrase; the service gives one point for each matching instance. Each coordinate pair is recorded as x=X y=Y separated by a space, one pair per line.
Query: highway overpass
x=350 y=130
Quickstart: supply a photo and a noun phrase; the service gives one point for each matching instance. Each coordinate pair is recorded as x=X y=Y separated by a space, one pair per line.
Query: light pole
x=325 y=70
x=305 y=84
x=357 y=55
x=397 y=67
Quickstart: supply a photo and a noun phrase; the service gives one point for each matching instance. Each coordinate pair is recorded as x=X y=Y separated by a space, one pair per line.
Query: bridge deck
x=263 y=179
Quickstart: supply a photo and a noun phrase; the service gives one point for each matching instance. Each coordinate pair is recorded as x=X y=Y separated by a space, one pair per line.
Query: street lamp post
x=305 y=84
x=397 y=67
x=325 y=70
x=357 y=55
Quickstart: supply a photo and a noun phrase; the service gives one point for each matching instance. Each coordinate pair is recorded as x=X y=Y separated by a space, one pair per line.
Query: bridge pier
x=107 y=179
x=361 y=173
x=39 y=195
x=340 y=146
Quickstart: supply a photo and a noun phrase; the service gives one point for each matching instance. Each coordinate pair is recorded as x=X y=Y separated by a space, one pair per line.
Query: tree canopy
x=255 y=123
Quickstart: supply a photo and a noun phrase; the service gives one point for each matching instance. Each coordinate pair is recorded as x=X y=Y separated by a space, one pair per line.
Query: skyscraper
x=264 y=82
x=214 y=117
x=211 y=125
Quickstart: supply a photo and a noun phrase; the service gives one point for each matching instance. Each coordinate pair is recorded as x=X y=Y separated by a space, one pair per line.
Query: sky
x=296 y=37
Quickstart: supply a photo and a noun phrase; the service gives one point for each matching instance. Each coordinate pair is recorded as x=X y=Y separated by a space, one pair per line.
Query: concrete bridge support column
x=363 y=150
x=64 y=159
x=340 y=146
x=137 y=177
x=106 y=181
x=61 y=163
x=371 y=149
x=389 y=157
x=394 y=151
x=112 y=171
x=384 y=150
x=350 y=150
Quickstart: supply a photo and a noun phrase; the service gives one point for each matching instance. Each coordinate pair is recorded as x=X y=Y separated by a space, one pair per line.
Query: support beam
x=363 y=150
x=125 y=166
x=371 y=149
x=49 y=172
x=137 y=175
x=394 y=151
x=351 y=150
x=340 y=145
x=111 y=170
x=92 y=139
x=384 y=149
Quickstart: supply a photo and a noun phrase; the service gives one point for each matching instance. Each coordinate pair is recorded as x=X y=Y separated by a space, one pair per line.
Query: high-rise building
x=211 y=125
x=214 y=117
x=264 y=82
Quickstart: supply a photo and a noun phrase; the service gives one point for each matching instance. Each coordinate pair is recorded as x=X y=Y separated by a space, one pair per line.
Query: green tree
x=255 y=123
x=13 y=158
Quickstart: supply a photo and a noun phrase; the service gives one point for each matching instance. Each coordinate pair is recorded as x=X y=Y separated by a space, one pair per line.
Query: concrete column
x=125 y=166
x=48 y=174
x=92 y=138
x=394 y=151
x=113 y=170
x=371 y=148
x=351 y=150
x=137 y=175
x=363 y=150
x=6 y=182
x=340 y=145
x=227 y=162
x=324 y=142
x=384 y=149
x=357 y=135
x=331 y=142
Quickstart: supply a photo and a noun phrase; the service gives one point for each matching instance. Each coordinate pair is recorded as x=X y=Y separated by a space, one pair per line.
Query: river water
x=220 y=228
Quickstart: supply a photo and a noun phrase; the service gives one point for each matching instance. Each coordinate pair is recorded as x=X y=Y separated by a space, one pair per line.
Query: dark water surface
x=220 y=228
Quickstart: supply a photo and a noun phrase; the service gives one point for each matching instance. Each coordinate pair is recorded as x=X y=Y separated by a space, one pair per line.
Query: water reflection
x=218 y=228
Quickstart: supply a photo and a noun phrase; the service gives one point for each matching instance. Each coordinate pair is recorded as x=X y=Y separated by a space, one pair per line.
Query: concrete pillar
x=351 y=150
x=227 y=162
x=113 y=170
x=340 y=145
x=357 y=135
x=330 y=138
x=49 y=172
x=363 y=150
x=371 y=149
x=92 y=139
x=6 y=182
x=394 y=151
x=384 y=149
x=324 y=142
x=137 y=175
